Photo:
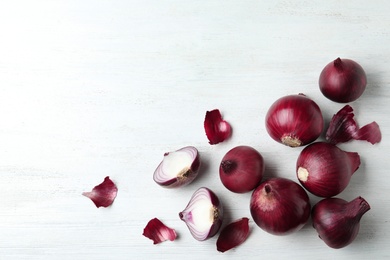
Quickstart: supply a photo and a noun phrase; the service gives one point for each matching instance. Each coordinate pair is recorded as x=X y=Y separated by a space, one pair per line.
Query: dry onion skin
x=217 y=129
x=104 y=194
x=158 y=231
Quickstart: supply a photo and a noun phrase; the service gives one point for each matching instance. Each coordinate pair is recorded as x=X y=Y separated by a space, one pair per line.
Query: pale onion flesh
x=178 y=168
x=203 y=215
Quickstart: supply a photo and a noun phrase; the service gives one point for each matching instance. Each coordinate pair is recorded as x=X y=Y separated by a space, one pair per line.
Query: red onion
x=104 y=194
x=280 y=206
x=241 y=169
x=342 y=81
x=343 y=128
x=217 y=129
x=233 y=235
x=294 y=120
x=337 y=221
x=324 y=169
x=178 y=168
x=203 y=214
x=158 y=232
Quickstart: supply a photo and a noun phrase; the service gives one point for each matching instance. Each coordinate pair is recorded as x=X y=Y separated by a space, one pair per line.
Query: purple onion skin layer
x=342 y=80
x=280 y=206
x=329 y=169
x=337 y=221
x=294 y=120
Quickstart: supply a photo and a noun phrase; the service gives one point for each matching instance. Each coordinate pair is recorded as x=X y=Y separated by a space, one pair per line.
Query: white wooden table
x=90 y=89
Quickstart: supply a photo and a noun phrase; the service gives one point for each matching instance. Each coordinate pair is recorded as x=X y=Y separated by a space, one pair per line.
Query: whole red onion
x=294 y=120
x=280 y=206
x=324 y=169
x=241 y=169
x=342 y=80
x=337 y=221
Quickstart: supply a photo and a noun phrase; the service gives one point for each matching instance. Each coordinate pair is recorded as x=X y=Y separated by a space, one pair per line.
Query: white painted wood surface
x=90 y=89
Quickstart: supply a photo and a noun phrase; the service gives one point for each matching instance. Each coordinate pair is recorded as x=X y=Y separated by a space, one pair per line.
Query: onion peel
x=343 y=128
x=233 y=235
x=217 y=129
x=158 y=231
x=104 y=194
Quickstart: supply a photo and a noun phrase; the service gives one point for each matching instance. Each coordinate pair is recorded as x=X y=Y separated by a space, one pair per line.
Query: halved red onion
x=343 y=128
x=324 y=169
x=233 y=235
x=203 y=214
x=178 y=168
x=158 y=231
x=104 y=194
x=294 y=120
x=217 y=129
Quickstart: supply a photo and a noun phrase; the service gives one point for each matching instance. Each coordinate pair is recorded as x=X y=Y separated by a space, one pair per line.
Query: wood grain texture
x=90 y=89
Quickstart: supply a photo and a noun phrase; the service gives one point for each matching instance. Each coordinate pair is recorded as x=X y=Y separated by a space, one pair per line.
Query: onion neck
x=267 y=189
x=354 y=161
x=228 y=166
x=358 y=207
x=338 y=64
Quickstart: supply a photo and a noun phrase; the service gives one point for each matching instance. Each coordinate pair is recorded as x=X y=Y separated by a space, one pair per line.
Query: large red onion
x=343 y=80
x=294 y=120
x=324 y=169
x=280 y=206
x=241 y=169
x=337 y=221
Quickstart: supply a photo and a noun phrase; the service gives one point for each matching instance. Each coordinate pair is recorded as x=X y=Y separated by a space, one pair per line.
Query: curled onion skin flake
x=325 y=170
x=343 y=128
x=233 y=235
x=342 y=80
x=337 y=221
x=217 y=129
x=280 y=206
x=294 y=120
x=178 y=168
x=104 y=194
x=203 y=215
x=158 y=231
x=241 y=169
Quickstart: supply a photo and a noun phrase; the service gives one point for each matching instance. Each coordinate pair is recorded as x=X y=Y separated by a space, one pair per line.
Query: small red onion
x=158 y=232
x=337 y=221
x=217 y=129
x=342 y=81
x=241 y=169
x=280 y=206
x=233 y=235
x=343 y=128
x=294 y=120
x=203 y=214
x=178 y=168
x=324 y=169
x=104 y=194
